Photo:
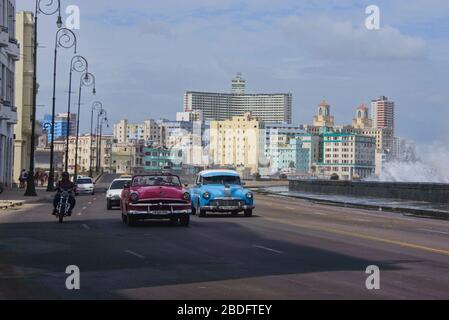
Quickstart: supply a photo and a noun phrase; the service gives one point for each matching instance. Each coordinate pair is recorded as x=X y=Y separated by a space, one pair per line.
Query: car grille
x=226 y=203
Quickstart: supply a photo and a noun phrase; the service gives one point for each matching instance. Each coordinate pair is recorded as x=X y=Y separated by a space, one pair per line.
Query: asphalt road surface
x=290 y=249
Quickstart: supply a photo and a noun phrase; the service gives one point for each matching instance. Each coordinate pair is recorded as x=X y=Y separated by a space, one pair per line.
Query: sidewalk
x=11 y=198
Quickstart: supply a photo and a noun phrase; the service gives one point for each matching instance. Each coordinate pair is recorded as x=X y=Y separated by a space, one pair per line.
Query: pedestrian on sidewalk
x=23 y=179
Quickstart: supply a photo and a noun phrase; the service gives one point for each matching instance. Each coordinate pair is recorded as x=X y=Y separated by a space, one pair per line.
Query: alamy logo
x=73 y=21
x=373 y=280
x=372 y=22
x=73 y=280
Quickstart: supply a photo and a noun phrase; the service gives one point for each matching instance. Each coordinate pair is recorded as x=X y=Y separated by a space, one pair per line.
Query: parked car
x=115 y=191
x=155 y=196
x=221 y=191
x=85 y=185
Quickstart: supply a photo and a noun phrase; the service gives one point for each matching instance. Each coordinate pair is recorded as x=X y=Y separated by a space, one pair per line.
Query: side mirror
x=127 y=185
x=243 y=183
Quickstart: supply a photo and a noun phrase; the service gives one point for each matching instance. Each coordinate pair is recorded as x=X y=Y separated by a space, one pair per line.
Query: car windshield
x=84 y=181
x=221 y=180
x=156 y=181
x=119 y=184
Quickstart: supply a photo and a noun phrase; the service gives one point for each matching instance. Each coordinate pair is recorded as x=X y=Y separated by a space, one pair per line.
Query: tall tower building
x=238 y=84
x=362 y=120
x=324 y=117
x=383 y=114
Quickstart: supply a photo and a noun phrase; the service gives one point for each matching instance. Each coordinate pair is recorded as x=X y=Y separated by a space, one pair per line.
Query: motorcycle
x=63 y=207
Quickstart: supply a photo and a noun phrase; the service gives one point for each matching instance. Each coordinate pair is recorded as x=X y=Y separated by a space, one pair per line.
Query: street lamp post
x=66 y=39
x=97 y=133
x=87 y=80
x=78 y=64
x=104 y=119
x=97 y=105
x=48 y=10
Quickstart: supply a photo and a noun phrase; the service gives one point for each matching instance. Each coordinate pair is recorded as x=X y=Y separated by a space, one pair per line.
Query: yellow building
x=324 y=117
x=237 y=142
x=24 y=91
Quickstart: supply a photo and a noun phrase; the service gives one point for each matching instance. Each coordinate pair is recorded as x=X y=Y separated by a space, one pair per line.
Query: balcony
x=8 y=112
x=13 y=49
x=4 y=37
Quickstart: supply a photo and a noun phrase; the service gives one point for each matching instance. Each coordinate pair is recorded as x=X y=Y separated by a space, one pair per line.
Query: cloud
x=333 y=39
x=157 y=28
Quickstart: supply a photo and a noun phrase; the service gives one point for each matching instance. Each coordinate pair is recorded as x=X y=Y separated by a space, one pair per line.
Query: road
x=290 y=249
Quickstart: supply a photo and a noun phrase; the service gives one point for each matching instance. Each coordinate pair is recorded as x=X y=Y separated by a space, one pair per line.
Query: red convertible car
x=155 y=196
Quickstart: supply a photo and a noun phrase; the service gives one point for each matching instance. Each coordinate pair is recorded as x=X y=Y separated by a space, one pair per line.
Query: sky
x=146 y=53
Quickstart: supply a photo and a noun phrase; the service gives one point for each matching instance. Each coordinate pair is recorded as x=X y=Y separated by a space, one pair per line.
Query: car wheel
x=124 y=218
x=248 y=213
x=234 y=213
x=174 y=221
x=185 y=220
x=202 y=213
x=108 y=205
x=193 y=210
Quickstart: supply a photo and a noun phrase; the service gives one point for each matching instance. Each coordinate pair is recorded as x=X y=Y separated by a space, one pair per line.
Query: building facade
x=276 y=107
x=383 y=113
x=149 y=130
x=60 y=125
x=237 y=142
x=9 y=54
x=347 y=155
x=24 y=91
x=87 y=153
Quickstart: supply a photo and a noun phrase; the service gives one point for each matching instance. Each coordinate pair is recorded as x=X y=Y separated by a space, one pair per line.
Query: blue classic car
x=221 y=191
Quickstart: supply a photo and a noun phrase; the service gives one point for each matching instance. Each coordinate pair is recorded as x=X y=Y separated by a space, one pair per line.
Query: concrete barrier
x=428 y=192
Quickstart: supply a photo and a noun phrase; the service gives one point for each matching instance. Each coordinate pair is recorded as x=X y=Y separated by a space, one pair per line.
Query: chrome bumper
x=227 y=208
x=176 y=209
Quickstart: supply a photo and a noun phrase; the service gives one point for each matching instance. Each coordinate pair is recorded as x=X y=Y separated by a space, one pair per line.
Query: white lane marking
x=317 y=213
x=135 y=254
x=268 y=249
x=85 y=226
x=95 y=199
x=89 y=203
x=361 y=220
x=320 y=213
x=84 y=208
x=435 y=231
x=79 y=213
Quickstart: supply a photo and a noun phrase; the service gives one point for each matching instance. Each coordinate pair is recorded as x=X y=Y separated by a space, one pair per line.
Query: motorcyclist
x=65 y=185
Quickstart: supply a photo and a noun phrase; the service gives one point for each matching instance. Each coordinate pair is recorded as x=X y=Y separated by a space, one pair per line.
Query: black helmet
x=65 y=175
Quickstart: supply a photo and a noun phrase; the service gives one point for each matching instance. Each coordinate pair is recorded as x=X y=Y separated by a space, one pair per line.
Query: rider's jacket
x=65 y=185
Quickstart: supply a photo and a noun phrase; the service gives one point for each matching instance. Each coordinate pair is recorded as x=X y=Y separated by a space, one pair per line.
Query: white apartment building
x=87 y=153
x=274 y=107
x=237 y=142
x=149 y=130
x=9 y=54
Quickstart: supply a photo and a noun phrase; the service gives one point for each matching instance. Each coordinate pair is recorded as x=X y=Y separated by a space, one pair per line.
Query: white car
x=85 y=185
x=115 y=191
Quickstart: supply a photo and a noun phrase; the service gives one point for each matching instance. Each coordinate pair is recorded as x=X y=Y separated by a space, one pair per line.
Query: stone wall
x=429 y=192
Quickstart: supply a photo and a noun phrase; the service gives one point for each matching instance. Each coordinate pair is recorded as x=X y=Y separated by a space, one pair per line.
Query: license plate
x=159 y=212
x=228 y=208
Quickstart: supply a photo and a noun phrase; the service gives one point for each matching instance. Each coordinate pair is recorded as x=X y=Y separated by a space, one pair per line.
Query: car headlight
x=249 y=195
x=186 y=196
x=206 y=195
x=134 y=197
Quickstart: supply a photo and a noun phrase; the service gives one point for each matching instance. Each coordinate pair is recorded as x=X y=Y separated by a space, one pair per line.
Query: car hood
x=159 y=192
x=233 y=191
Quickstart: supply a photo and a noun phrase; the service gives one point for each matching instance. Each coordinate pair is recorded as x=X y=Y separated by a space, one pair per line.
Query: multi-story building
x=128 y=158
x=347 y=155
x=157 y=158
x=24 y=91
x=288 y=154
x=9 y=54
x=276 y=107
x=237 y=142
x=324 y=117
x=149 y=130
x=60 y=125
x=87 y=153
x=383 y=113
